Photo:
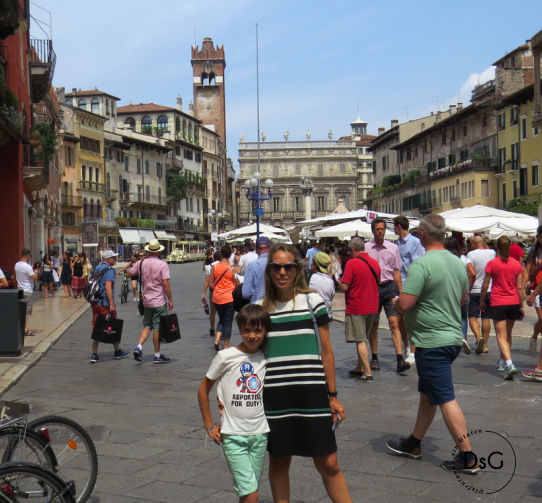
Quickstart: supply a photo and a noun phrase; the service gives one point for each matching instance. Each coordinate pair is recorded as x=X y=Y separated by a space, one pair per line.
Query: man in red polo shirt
x=360 y=283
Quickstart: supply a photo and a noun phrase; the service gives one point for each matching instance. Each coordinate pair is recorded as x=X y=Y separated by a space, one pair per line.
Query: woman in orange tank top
x=222 y=281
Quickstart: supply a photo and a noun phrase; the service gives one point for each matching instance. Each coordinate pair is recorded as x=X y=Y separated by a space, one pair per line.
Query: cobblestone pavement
x=152 y=447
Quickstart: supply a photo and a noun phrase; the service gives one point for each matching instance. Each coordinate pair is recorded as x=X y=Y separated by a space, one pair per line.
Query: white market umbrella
x=251 y=229
x=275 y=238
x=496 y=222
x=351 y=229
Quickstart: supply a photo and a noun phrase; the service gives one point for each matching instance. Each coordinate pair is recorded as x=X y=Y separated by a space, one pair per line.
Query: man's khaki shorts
x=358 y=326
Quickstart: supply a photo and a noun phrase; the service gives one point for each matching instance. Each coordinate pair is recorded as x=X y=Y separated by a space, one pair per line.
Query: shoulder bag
x=140 y=306
x=372 y=270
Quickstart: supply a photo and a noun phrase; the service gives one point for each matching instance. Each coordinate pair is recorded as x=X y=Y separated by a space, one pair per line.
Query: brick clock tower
x=208 y=66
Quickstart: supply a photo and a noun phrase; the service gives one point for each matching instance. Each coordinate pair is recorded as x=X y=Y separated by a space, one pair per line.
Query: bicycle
x=56 y=442
x=23 y=481
x=124 y=289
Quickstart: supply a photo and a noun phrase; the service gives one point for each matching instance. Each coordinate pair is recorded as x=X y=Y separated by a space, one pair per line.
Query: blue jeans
x=225 y=313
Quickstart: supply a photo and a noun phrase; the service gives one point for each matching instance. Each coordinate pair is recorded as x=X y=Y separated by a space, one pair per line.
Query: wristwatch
x=332 y=394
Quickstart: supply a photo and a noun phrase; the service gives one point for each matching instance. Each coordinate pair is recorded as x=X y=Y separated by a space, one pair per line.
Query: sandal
x=217 y=346
x=29 y=333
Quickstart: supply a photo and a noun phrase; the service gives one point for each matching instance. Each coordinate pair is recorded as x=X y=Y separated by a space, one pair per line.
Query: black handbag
x=107 y=329
x=169 y=328
x=238 y=300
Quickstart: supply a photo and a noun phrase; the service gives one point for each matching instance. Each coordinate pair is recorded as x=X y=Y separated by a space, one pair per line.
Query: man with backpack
x=106 y=302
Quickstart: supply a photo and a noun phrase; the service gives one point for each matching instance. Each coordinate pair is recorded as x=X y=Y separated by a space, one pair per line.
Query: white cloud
x=475 y=79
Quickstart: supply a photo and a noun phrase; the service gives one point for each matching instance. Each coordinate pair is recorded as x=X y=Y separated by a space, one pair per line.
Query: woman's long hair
x=300 y=282
x=452 y=246
x=536 y=248
x=503 y=248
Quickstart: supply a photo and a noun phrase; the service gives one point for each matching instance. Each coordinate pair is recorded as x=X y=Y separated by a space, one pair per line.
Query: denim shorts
x=434 y=367
x=245 y=456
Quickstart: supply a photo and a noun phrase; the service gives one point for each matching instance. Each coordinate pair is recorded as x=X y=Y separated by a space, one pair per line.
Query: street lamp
x=256 y=193
x=214 y=218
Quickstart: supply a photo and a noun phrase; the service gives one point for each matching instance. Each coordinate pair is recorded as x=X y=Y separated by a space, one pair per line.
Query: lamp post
x=256 y=193
x=214 y=218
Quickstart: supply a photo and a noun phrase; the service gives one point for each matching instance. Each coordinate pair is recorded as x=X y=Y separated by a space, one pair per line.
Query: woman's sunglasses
x=289 y=267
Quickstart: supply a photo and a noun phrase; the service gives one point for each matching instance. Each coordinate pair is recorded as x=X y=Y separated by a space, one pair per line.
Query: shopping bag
x=169 y=328
x=108 y=330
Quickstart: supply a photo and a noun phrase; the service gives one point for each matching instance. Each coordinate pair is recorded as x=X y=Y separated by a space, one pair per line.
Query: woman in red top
x=506 y=307
x=222 y=281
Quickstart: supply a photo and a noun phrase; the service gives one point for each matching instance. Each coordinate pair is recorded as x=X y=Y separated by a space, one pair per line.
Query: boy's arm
x=205 y=408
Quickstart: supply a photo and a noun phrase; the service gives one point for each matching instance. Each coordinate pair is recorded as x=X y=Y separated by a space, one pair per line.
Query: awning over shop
x=165 y=236
x=130 y=236
x=146 y=236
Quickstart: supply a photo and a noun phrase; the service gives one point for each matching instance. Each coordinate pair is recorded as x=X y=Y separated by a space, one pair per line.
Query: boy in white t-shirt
x=240 y=373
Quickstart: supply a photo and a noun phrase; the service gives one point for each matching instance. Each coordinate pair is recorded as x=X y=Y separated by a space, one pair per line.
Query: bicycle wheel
x=21 y=443
x=23 y=481
x=73 y=450
x=124 y=292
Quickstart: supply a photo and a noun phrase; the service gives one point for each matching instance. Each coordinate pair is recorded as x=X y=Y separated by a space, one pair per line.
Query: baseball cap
x=262 y=240
x=108 y=254
x=322 y=261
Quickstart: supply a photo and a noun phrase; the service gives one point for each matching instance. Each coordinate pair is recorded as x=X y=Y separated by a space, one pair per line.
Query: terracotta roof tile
x=92 y=92
x=144 y=107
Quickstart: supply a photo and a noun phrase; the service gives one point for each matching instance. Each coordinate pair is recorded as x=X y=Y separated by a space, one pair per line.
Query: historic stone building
x=208 y=67
x=332 y=165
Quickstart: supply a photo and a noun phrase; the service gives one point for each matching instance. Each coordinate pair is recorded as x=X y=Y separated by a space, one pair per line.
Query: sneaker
x=138 y=354
x=94 y=358
x=355 y=373
x=375 y=365
x=459 y=464
x=479 y=346
x=532 y=345
x=161 y=359
x=402 y=366
x=120 y=354
x=466 y=348
x=136 y=299
x=410 y=359
x=509 y=372
x=363 y=378
x=500 y=366
x=533 y=374
x=486 y=349
x=399 y=447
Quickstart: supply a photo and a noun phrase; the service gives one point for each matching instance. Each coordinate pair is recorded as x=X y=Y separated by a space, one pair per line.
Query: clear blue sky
x=318 y=59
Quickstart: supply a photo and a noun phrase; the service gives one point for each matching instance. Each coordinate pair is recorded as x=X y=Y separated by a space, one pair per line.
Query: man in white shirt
x=479 y=257
x=26 y=276
x=3 y=280
x=249 y=257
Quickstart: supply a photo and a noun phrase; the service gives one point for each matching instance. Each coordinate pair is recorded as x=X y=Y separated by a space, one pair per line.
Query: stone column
x=307 y=187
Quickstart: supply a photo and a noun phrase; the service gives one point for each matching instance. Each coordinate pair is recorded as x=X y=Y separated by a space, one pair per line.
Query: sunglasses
x=289 y=267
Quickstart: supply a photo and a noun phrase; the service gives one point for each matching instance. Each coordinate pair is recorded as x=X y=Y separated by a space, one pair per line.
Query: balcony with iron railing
x=87 y=186
x=42 y=67
x=110 y=194
x=69 y=201
x=102 y=222
x=172 y=163
x=143 y=200
x=165 y=224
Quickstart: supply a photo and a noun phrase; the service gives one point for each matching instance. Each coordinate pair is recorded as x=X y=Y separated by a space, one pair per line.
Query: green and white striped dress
x=295 y=396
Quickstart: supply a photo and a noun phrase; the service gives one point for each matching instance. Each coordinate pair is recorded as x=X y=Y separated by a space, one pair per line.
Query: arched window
x=146 y=125
x=83 y=172
x=98 y=209
x=211 y=78
x=95 y=106
x=108 y=181
x=184 y=127
x=190 y=130
x=130 y=122
x=66 y=189
x=147 y=193
x=204 y=78
x=97 y=171
x=82 y=103
x=89 y=174
x=120 y=183
x=162 y=122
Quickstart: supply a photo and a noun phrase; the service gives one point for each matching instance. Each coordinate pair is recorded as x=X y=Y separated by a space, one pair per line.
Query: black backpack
x=92 y=289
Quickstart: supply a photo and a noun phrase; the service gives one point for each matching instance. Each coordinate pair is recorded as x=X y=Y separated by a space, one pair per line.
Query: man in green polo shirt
x=435 y=289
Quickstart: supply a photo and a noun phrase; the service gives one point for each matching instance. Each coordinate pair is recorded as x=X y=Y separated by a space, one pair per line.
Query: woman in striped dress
x=300 y=397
